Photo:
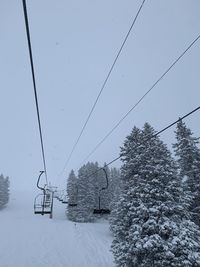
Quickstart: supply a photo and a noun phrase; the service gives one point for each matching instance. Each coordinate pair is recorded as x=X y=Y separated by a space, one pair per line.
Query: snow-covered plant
x=86 y=192
x=72 y=194
x=114 y=187
x=4 y=191
x=72 y=188
x=188 y=159
x=149 y=224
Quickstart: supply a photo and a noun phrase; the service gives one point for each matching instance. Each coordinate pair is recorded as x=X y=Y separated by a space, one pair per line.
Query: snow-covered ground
x=28 y=240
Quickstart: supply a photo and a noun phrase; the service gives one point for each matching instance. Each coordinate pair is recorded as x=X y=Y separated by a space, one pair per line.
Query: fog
x=74 y=44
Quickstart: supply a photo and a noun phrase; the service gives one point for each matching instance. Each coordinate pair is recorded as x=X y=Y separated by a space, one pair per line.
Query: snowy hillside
x=29 y=240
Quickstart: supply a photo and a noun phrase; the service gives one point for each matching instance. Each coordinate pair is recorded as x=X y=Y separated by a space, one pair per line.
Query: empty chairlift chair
x=65 y=199
x=100 y=210
x=60 y=196
x=43 y=202
x=42 y=205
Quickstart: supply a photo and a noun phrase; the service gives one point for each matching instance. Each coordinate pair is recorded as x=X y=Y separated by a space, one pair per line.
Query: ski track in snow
x=28 y=240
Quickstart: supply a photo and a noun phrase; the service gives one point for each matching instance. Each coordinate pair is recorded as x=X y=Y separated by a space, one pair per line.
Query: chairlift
x=65 y=199
x=43 y=203
x=40 y=206
x=100 y=210
x=59 y=196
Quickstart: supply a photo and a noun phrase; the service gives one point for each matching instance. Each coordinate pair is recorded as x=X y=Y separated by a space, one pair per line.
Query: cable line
x=34 y=84
x=103 y=86
x=140 y=100
x=149 y=138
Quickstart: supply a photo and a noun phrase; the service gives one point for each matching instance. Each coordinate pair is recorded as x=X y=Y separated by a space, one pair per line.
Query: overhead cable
x=140 y=100
x=103 y=86
x=149 y=138
x=34 y=84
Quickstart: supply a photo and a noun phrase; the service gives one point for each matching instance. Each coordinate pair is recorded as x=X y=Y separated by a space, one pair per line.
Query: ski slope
x=28 y=240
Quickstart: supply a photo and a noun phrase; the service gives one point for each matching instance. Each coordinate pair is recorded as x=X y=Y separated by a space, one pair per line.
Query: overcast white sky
x=74 y=44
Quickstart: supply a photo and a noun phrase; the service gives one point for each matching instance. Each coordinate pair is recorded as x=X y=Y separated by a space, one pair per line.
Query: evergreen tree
x=188 y=158
x=72 y=188
x=114 y=187
x=149 y=224
x=4 y=191
x=87 y=188
x=72 y=194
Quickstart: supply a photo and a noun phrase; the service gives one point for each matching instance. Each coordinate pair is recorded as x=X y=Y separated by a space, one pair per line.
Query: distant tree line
x=4 y=191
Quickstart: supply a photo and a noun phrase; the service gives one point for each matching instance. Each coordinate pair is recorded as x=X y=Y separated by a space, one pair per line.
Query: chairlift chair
x=65 y=200
x=100 y=210
x=59 y=196
x=40 y=206
x=43 y=203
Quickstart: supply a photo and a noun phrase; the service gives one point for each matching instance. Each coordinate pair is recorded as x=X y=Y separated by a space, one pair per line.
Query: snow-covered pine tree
x=188 y=159
x=4 y=191
x=114 y=187
x=1 y=191
x=72 y=188
x=149 y=225
x=86 y=192
x=7 y=189
x=72 y=194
